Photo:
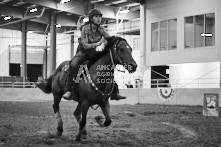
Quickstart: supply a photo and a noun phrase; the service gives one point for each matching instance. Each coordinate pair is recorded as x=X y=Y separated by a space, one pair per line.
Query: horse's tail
x=45 y=85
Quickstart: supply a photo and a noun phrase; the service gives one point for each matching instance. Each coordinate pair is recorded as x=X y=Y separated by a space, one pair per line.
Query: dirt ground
x=24 y=124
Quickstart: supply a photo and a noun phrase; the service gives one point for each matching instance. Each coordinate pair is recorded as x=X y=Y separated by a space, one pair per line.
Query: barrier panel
x=134 y=96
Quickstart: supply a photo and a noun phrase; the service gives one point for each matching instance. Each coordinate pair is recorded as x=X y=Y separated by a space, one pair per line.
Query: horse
x=95 y=84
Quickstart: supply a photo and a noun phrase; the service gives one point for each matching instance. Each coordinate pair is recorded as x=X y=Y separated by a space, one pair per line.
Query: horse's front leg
x=106 y=111
x=77 y=115
x=84 y=110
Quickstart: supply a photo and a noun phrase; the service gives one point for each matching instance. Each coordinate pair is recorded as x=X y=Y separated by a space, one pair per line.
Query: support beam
x=11 y=11
x=73 y=7
x=72 y=47
x=53 y=43
x=143 y=35
x=66 y=20
x=79 y=8
x=24 y=51
x=45 y=58
x=110 y=12
x=24 y=19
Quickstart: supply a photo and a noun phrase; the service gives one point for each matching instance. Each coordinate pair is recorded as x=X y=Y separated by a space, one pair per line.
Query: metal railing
x=17 y=85
x=141 y=83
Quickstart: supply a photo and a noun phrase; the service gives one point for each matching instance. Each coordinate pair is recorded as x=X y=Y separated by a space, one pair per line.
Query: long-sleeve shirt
x=90 y=38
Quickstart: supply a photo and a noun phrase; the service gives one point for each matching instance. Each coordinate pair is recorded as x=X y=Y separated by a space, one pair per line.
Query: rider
x=92 y=37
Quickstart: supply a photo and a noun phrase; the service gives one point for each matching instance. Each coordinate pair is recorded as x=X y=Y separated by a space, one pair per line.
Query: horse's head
x=121 y=52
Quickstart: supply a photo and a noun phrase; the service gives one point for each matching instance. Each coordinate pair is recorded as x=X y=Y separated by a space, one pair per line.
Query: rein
x=106 y=94
x=118 y=57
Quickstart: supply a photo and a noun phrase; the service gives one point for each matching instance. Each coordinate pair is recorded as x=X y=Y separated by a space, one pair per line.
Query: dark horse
x=95 y=85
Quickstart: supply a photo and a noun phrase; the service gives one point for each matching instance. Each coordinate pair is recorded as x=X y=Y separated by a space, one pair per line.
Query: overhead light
x=207 y=35
x=133 y=4
x=86 y=19
x=124 y=11
x=58 y=25
x=64 y=1
x=33 y=10
x=96 y=1
x=118 y=2
x=30 y=31
x=7 y=17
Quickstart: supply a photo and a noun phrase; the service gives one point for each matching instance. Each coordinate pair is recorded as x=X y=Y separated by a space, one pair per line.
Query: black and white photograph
x=110 y=73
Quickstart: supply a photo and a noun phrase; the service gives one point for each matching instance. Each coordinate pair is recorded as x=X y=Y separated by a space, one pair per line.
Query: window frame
x=168 y=33
x=194 y=31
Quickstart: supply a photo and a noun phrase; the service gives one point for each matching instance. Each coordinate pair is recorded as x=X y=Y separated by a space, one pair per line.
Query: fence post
x=138 y=91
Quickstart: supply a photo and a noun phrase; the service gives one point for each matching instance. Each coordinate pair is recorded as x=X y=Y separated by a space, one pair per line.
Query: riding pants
x=80 y=57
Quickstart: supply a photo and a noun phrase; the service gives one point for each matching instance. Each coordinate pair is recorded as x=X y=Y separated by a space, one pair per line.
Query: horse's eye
x=127 y=46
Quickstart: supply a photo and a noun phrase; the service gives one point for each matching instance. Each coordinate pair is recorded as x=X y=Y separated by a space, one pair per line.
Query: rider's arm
x=84 y=40
x=105 y=34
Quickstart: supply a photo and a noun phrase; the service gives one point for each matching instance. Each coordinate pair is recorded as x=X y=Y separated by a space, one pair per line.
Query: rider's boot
x=69 y=84
x=116 y=95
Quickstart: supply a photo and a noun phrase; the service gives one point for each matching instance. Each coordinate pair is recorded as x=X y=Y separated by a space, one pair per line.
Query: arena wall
x=134 y=96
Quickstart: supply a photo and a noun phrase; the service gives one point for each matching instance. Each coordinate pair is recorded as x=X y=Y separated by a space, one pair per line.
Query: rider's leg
x=116 y=95
x=77 y=60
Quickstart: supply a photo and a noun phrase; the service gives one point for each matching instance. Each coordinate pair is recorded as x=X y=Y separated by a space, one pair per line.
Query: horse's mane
x=110 y=43
x=112 y=40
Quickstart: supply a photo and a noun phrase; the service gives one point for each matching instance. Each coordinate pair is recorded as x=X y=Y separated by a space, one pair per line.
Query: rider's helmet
x=93 y=12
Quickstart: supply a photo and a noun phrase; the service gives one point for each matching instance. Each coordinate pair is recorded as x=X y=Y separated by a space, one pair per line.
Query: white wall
x=12 y=39
x=63 y=48
x=134 y=96
x=159 y=10
x=7 y=38
x=195 y=75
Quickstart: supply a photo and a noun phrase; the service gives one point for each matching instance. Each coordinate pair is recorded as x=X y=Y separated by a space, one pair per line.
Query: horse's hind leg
x=106 y=111
x=57 y=100
x=84 y=110
x=77 y=115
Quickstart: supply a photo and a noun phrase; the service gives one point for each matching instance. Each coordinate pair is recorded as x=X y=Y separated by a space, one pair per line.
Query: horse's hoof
x=59 y=130
x=59 y=133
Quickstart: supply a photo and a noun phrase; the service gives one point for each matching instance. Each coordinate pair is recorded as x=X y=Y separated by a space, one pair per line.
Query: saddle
x=83 y=70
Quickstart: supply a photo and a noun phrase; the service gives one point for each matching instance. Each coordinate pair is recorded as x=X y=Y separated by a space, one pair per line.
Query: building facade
x=183 y=39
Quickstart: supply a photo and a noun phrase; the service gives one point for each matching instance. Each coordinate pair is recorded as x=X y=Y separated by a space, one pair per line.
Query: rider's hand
x=98 y=43
x=100 y=48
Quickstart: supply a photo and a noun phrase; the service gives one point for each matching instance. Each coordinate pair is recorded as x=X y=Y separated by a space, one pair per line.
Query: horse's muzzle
x=131 y=67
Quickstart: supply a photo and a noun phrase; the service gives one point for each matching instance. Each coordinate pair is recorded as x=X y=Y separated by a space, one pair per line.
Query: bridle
x=115 y=56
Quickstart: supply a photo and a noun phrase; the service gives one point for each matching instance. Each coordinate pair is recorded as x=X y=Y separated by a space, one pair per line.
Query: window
x=136 y=43
x=189 y=32
x=172 y=24
x=210 y=29
x=200 y=30
x=154 y=37
x=164 y=35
